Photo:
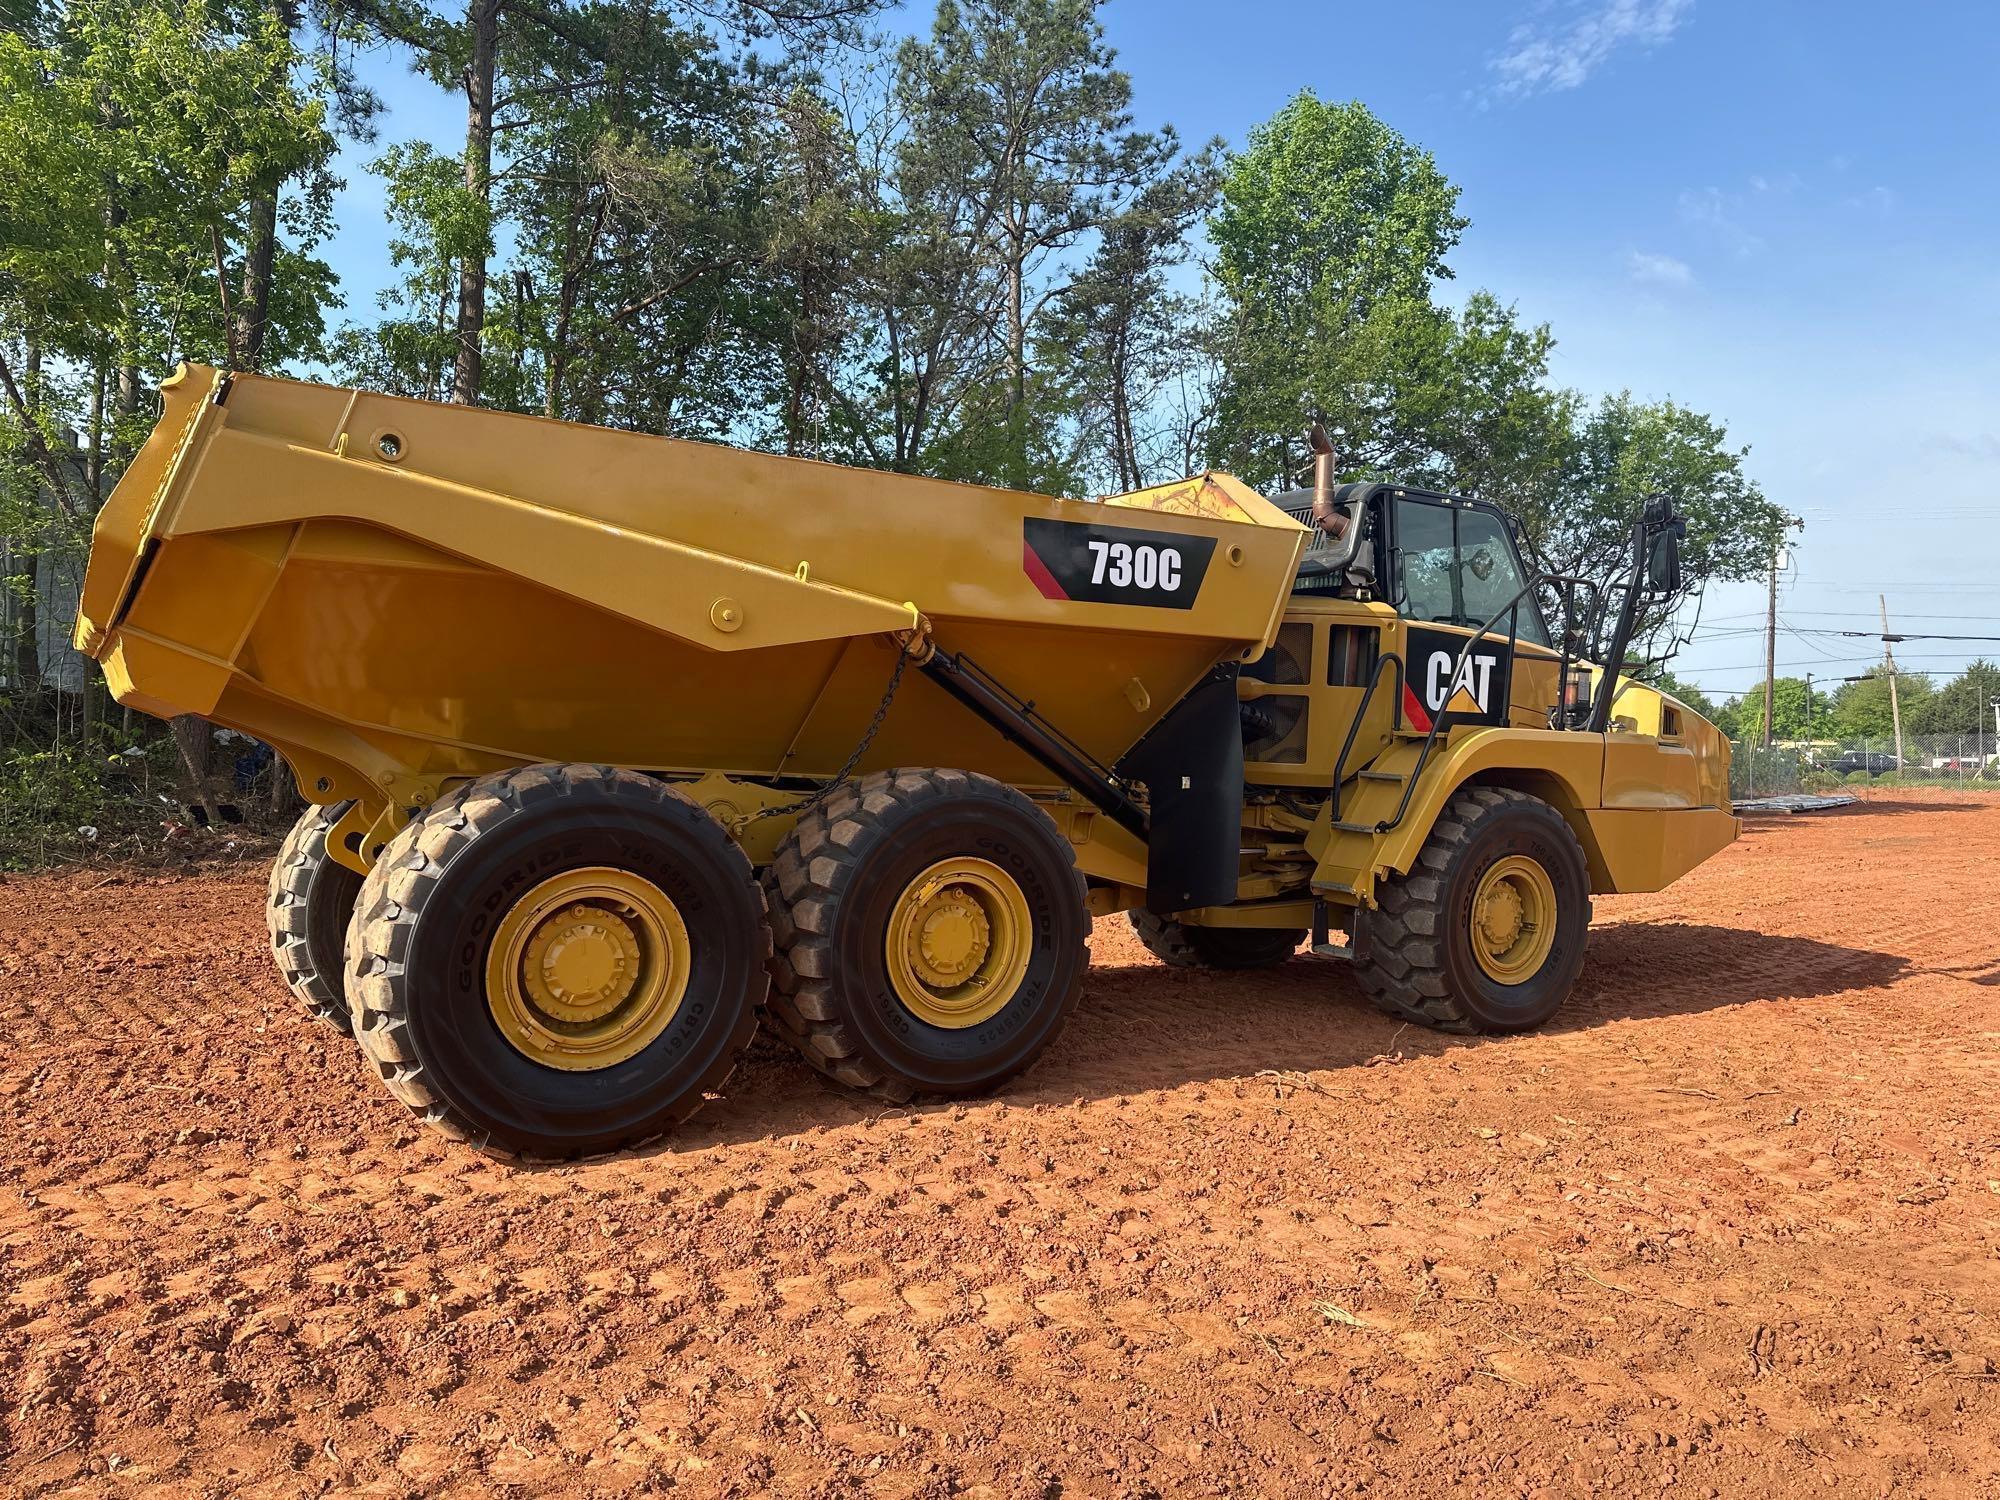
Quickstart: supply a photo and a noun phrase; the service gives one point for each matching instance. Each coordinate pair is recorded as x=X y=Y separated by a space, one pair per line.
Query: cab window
x=1458 y=567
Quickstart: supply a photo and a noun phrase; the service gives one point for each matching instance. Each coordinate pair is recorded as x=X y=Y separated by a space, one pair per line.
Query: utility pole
x=1771 y=652
x=1808 y=709
x=1889 y=656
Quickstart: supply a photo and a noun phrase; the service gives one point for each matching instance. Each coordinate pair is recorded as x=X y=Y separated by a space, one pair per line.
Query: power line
x=1802 y=631
x=1845 y=614
x=1758 y=666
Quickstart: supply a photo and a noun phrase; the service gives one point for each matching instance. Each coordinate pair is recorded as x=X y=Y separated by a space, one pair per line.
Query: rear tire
x=910 y=856
x=1487 y=931
x=558 y=961
x=1181 y=945
x=306 y=910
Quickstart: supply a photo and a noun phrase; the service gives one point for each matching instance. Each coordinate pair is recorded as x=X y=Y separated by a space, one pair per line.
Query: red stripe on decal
x=1039 y=574
x=1414 y=711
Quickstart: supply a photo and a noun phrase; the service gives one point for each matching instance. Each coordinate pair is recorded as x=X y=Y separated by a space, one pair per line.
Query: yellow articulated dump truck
x=616 y=743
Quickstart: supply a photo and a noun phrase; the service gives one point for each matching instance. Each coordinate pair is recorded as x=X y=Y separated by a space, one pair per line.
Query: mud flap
x=1192 y=764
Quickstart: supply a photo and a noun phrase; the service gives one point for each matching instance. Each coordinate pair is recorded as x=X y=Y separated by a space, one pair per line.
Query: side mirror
x=1663 y=564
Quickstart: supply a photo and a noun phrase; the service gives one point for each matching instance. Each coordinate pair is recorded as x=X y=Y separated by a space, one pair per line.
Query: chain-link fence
x=1834 y=765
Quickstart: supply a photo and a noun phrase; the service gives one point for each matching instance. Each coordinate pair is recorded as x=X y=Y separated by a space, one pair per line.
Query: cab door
x=1451 y=566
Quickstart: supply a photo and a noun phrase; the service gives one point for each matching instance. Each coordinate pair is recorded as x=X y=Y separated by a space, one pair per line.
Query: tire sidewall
x=524 y=1103
x=331 y=890
x=945 y=1060
x=1540 y=835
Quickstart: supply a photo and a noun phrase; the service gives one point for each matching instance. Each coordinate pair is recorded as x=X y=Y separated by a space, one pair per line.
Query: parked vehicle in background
x=1874 y=762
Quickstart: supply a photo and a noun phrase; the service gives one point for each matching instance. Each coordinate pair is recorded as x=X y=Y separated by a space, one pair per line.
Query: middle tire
x=930 y=929
x=1179 y=945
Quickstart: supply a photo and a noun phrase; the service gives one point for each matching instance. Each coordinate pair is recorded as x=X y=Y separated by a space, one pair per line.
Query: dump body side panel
x=396 y=592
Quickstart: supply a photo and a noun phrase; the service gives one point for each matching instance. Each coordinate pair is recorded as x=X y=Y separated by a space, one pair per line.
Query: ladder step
x=1336 y=887
x=1346 y=827
x=1344 y=951
x=1371 y=774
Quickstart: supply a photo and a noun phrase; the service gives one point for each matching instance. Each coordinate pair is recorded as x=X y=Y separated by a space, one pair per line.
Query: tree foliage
x=963 y=254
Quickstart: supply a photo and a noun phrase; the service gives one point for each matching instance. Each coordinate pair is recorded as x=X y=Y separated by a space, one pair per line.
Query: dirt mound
x=1733 y=1225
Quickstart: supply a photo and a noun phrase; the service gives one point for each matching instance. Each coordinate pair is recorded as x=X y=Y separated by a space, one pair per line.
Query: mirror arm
x=1621 y=636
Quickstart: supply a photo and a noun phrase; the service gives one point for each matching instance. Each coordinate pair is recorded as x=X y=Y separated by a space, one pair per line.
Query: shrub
x=46 y=798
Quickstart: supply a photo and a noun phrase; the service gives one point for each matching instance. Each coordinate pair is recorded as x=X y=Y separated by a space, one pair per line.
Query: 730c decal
x=1094 y=564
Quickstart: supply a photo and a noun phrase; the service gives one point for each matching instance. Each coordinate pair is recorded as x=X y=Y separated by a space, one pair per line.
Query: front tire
x=306 y=910
x=558 y=961
x=1486 y=932
x=930 y=930
x=1180 y=945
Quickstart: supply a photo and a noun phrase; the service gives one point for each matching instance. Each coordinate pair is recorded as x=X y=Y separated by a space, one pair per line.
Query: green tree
x=1962 y=706
x=1331 y=231
x=1626 y=450
x=1017 y=113
x=1794 y=714
x=434 y=224
x=1120 y=336
x=1861 y=708
x=475 y=52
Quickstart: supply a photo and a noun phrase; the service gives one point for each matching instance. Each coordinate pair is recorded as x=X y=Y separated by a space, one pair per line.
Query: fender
x=1563 y=768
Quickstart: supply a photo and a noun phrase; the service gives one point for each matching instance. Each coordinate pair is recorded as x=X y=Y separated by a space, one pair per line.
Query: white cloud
x=1876 y=200
x=1714 y=213
x=1560 y=53
x=1660 y=270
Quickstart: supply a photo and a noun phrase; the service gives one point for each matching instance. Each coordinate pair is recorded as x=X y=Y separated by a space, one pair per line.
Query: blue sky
x=1782 y=213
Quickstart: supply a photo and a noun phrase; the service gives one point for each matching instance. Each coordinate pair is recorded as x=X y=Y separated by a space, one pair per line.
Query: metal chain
x=839 y=779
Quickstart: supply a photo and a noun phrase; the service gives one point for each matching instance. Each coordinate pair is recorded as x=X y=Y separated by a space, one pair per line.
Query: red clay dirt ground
x=1731 y=1227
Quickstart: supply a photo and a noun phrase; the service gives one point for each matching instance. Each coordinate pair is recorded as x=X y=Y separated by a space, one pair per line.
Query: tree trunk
x=24 y=558
x=1017 y=336
x=1123 y=437
x=24 y=670
x=483 y=21
x=93 y=468
x=192 y=738
x=253 y=302
x=284 y=787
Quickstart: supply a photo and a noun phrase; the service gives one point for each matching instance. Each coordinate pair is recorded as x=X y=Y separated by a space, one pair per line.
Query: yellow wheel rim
x=958 y=943
x=587 y=969
x=1513 y=919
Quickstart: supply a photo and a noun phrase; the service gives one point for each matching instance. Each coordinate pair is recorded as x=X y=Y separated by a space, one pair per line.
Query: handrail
x=1361 y=713
x=1512 y=607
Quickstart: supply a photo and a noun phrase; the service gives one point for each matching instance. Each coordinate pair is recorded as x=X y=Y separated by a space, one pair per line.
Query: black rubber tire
x=1414 y=951
x=306 y=910
x=1180 y=945
x=424 y=923
x=832 y=888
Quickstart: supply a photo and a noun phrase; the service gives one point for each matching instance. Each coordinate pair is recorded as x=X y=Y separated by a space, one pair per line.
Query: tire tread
x=808 y=878
x=1401 y=967
x=406 y=872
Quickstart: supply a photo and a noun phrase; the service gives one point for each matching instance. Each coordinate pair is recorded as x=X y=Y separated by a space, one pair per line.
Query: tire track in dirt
x=1235 y=1233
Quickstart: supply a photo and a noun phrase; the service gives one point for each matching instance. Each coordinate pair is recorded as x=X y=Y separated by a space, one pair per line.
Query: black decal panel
x=1095 y=564
x=1483 y=690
